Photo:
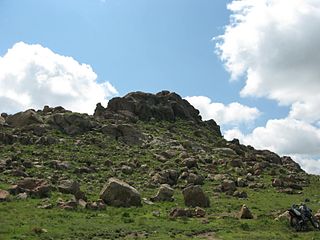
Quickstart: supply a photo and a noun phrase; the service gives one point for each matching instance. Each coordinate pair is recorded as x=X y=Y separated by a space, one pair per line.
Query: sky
x=251 y=65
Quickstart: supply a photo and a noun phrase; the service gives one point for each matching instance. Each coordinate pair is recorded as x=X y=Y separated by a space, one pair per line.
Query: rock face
x=165 y=193
x=195 y=197
x=71 y=123
x=120 y=194
x=23 y=119
x=245 y=213
x=124 y=132
x=164 y=105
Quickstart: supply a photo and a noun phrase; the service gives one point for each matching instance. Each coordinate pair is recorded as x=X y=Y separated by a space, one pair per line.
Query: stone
x=23 y=119
x=190 y=163
x=34 y=187
x=187 y=212
x=241 y=182
x=59 y=165
x=195 y=197
x=124 y=132
x=236 y=163
x=120 y=194
x=228 y=186
x=166 y=177
x=165 y=193
x=4 y=195
x=245 y=213
x=195 y=179
x=277 y=183
x=126 y=169
x=240 y=194
x=69 y=186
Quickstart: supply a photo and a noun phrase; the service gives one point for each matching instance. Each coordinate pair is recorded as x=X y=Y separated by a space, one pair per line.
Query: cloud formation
x=32 y=76
x=224 y=114
x=274 y=46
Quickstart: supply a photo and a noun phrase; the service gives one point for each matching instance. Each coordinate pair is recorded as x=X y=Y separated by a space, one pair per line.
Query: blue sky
x=152 y=45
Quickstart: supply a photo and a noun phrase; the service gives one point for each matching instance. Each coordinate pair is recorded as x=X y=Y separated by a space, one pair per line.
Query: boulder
x=187 y=212
x=126 y=169
x=236 y=163
x=69 y=187
x=277 y=183
x=245 y=213
x=190 y=163
x=195 y=179
x=165 y=193
x=23 y=119
x=34 y=187
x=166 y=177
x=2 y=121
x=195 y=197
x=120 y=194
x=283 y=216
x=241 y=182
x=71 y=123
x=228 y=186
x=124 y=132
x=4 y=195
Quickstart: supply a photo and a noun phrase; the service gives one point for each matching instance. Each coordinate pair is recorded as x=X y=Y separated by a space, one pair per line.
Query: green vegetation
x=22 y=219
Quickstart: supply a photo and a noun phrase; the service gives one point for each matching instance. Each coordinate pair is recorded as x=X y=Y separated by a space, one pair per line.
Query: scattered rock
x=240 y=194
x=126 y=169
x=277 y=183
x=165 y=193
x=187 y=212
x=228 y=186
x=120 y=194
x=190 y=163
x=245 y=213
x=195 y=179
x=195 y=197
x=166 y=177
x=4 y=195
x=283 y=216
x=69 y=187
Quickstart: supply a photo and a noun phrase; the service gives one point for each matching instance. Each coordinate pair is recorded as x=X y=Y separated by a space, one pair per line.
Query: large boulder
x=23 y=119
x=165 y=193
x=195 y=197
x=120 y=194
x=72 y=123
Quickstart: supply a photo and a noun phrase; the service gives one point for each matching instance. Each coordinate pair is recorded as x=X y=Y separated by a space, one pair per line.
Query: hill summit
x=145 y=159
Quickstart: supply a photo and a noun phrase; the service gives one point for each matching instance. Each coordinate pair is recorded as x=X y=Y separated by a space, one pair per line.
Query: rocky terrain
x=146 y=166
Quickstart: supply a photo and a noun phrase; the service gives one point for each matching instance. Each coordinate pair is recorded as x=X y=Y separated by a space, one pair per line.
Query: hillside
x=146 y=166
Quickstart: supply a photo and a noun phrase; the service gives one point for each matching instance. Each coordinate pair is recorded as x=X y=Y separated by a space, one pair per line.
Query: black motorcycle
x=300 y=216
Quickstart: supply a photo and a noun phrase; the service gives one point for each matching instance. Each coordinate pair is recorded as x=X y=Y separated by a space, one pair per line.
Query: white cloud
x=275 y=45
x=284 y=136
x=224 y=114
x=32 y=76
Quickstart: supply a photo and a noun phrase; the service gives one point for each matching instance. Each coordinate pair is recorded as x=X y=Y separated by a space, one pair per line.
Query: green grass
x=20 y=219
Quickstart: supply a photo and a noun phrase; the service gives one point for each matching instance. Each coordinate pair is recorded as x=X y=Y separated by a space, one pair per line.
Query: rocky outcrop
x=195 y=197
x=23 y=119
x=120 y=194
x=71 y=123
x=164 y=105
x=123 y=132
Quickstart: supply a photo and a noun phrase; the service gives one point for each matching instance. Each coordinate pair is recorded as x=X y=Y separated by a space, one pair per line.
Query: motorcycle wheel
x=294 y=222
x=315 y=223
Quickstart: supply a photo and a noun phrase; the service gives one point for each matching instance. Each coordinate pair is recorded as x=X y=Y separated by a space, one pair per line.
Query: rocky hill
x=146 y=166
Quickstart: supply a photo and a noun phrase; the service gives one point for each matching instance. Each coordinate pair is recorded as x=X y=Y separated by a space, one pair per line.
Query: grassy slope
x=18 y=218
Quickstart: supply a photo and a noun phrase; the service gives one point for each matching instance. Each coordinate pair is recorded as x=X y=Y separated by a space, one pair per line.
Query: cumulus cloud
x=284 y=136
x=274 y=44
x=224 y=114
x=32 y=76
x=292 y=137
